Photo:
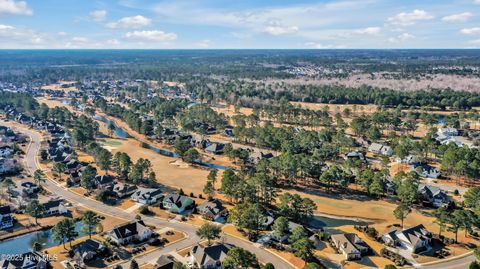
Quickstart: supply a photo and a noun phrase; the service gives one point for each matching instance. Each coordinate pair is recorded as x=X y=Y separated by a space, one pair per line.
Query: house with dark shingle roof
x=433 y=195
x=130 y=232
x=415 y=239
x=104 y=181
x=350 y=245
x=87 y=250
x=213 y=210
x=54 y=207
x=164 y=262
x=177 y=203
x=210 y=257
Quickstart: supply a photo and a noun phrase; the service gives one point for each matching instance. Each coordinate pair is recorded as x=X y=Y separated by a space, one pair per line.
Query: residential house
x=433 y=195
x=6 y=150
x=87 y=250
x=355 y=155
x=147 y=196
x=445 y=133
x=104 y=181
x=215 y=148
x=164 y=262
x=213 y=210
x=55 y=207
x=210 y=257
x=380 y=149
x=29 y=188
x=426 y=170
x=29 y=260
x=8 y=166
x=350 y=245
x=123 y=190
x=6 y=218
x=134 y=231
x=177 y=203
x=414 y=239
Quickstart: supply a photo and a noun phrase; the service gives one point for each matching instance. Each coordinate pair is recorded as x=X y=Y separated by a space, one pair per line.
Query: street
x=190 y=230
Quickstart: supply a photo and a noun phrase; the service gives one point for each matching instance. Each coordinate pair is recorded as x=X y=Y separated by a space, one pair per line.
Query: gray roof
x=211 y=256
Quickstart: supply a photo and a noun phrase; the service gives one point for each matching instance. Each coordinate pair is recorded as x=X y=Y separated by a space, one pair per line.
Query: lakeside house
x=380 y=149
x=54 y=207
x=176 y=203
x=215 y=148
x=87 y=250
x=147 y=196
x=350 y=245
x=414 y=239
x=28 y=260
x=6 y=218
x=210 y=257
x=213 y=210
x=134 y=231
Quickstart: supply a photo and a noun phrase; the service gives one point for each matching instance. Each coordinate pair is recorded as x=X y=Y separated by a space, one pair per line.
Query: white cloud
x=475 y=42
x=130 y=22
x=406 y=19
x=206 y=43
x=153 y=35
x=98 y=15
x=276 y=28
x=476 y=2
x=15 y=7
x=461 y=17
x=368 y=31
x=470 y=31
x=315 y=45
x=4 y=27
x=401 y=38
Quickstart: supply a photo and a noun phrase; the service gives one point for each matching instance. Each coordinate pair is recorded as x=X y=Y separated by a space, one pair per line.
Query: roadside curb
x=266 y=249
x=441 y=261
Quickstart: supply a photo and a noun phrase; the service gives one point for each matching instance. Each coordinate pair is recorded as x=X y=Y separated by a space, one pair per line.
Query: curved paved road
x=190 y=230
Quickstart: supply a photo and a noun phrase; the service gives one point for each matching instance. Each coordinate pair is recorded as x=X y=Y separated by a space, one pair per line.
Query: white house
x=130 y=232
x=55 y=207
x=414 y=239
x=380 y=149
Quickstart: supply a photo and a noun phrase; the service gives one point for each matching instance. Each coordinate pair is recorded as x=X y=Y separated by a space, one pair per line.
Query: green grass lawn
x=112 y=142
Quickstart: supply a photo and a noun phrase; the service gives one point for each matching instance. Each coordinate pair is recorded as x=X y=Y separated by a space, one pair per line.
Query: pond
x=24 y=243
x=119 y=132
x=318 y=222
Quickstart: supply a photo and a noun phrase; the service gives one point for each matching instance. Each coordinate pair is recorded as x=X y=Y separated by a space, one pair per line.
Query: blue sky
x=239 y=24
